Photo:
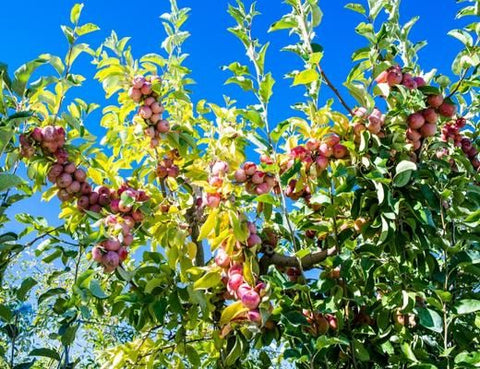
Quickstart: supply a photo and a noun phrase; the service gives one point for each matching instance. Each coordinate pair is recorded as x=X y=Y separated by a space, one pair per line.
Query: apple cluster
x=423 y=123
x=218 y=172
x=451 y=131
x=314 y=153
x=396 y=76
x=119 y=226
x=319 y=323
x=151 y=109
x=257 y=182
x=166 y=168
x=49 y=139
x=239 y=289
x=373 y=122
x=70 y=181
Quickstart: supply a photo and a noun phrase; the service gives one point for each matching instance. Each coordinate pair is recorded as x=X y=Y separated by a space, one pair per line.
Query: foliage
x=353 y=240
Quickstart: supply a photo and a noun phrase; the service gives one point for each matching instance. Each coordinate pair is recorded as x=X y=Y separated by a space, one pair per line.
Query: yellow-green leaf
x=232 y=311
x=209 y=224
x=306 y=76
x=209 y=280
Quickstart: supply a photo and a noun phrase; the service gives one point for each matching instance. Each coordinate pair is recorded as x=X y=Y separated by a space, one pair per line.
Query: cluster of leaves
x=392 y=239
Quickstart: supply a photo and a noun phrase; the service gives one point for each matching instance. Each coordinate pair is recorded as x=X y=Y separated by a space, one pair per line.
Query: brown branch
x=307 y=262
x=193 y=217
x=334 y=89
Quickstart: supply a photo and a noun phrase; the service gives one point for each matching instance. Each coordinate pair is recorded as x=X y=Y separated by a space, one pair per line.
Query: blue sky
x=30 y=27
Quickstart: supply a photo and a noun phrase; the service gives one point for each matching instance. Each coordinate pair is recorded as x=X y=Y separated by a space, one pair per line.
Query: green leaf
x=472 y=359
x=50 y=293
x=5 y=313
x=86 y=29
x=466 y=306
x=97 y=290
x=75 y=13
x=430 y=319
x=461 y=35
x=403 y=173
x=306 y=76
x=6 y=134
x=288 y=21
x=68 y=334
x=360 y=93
x=193 y=356
x=45 y=352
x=232 y=311
x=360 y=351
x=408 y=352
x=209 y=224
x=240 y=230
x=356 y=8
x=55 y=62
x=23 y=74
x=9 y=180
x=209 y=280
x=235 y=353
x=266 y=87
x=245 y=83
x=26 y=286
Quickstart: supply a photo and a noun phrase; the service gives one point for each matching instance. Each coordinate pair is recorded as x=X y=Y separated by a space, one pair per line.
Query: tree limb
x=308 y=262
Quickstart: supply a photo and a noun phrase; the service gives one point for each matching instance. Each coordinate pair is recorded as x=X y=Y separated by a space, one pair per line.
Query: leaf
x=408 y=352
x=96 y=289
x=288 y=21
x=5 y=313
x=50 y=293
x=9 y=180
x=360 y=351
x=360 y=93
x=87 y=28
x=45 y=352
x=22 y=75
x=68 y=334
x=209 y=224
x=75 y=13
x=472 y=359
x=305 y=77
x=232 y=311
x=209 y=280
x=356 y=8
x=55 y=62
x=235 y=352
x=240 y=230
x=430 y=319
x=193 y=356
x=403 y=172
x=6 y=135
x=466 y=306
x=245 y=83
x=461 y=35
x=266 y=87
x=26 y=286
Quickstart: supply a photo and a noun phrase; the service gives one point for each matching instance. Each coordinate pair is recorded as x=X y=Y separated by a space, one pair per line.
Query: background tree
x=351 y=238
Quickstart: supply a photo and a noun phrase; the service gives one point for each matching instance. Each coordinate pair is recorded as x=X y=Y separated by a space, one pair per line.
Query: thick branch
x=308 y=262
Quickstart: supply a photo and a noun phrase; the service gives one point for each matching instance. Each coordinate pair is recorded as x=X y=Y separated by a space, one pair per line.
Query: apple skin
x=415 y=120
x=447 y=110
x=435 y=101
x=428 y=130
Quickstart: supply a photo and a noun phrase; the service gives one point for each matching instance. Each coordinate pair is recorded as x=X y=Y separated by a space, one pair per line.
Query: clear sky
x=31 y=27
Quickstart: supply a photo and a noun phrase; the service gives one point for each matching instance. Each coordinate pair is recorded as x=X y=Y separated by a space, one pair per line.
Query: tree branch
x=193 y=216
x=308 y=262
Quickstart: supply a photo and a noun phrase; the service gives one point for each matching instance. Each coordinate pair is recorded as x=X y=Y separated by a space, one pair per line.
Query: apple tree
x=195 y=234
